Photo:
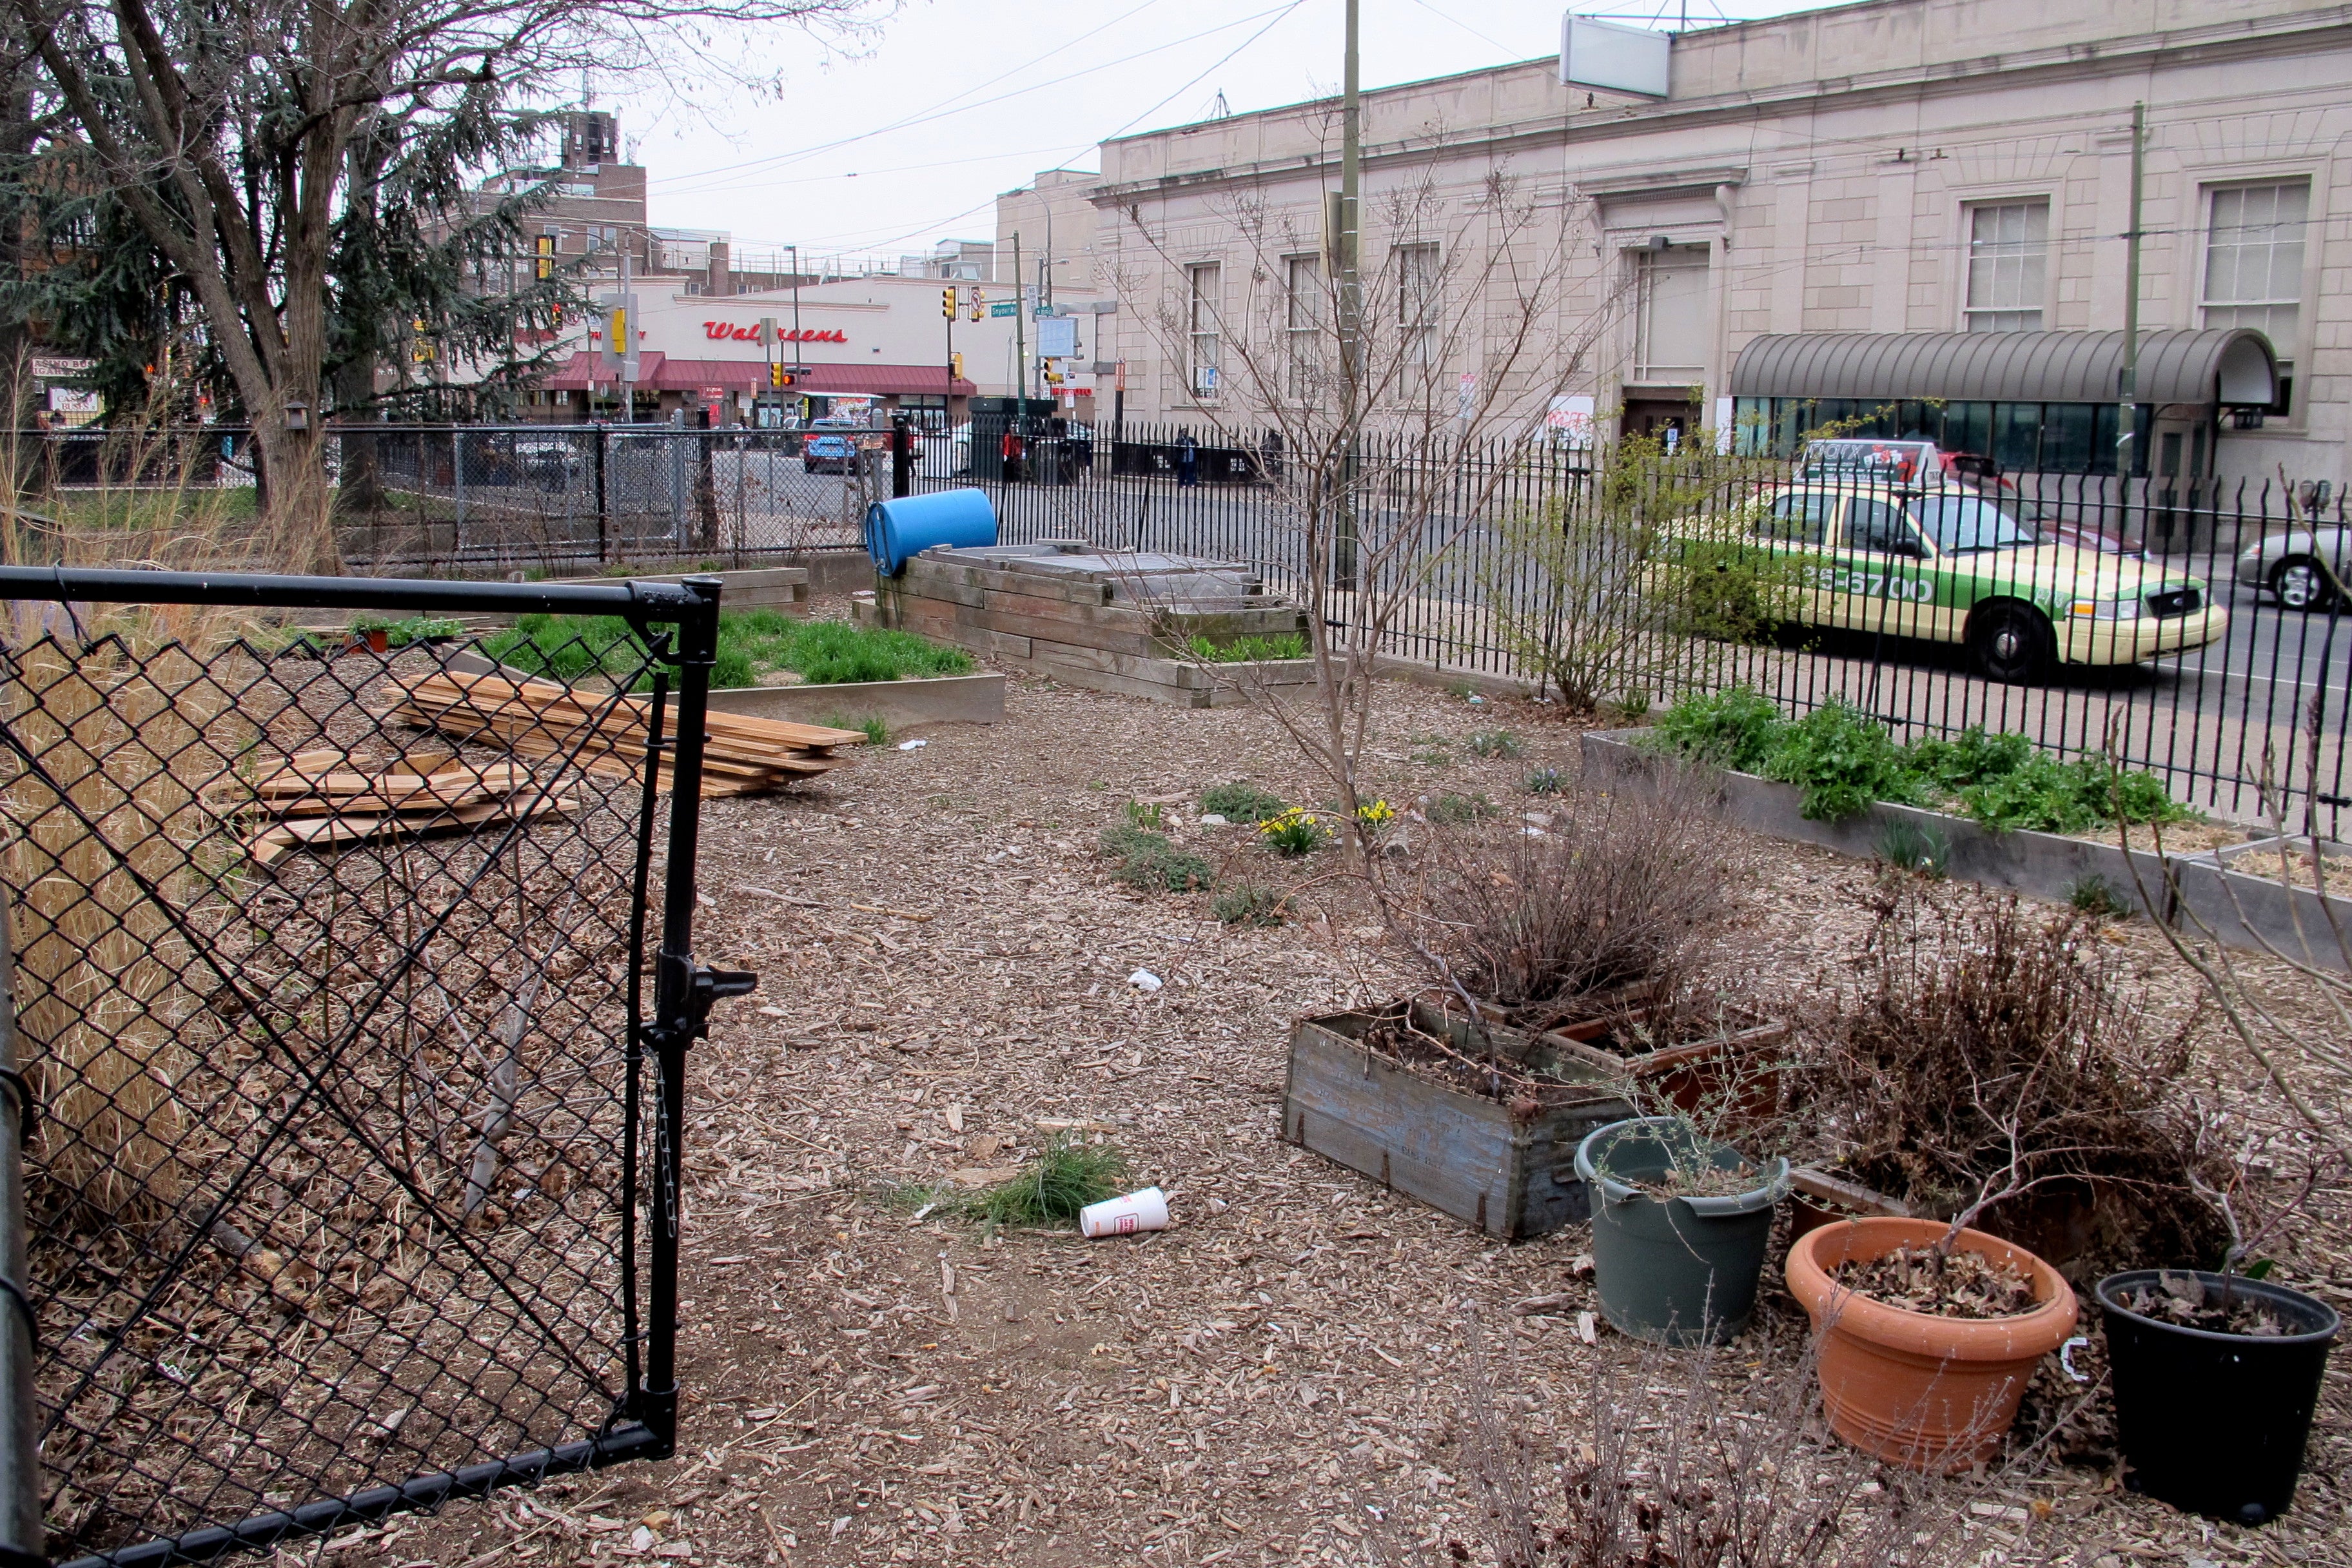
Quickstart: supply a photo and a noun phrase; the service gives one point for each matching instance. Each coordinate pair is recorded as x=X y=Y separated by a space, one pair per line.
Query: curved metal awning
x=2229 y=366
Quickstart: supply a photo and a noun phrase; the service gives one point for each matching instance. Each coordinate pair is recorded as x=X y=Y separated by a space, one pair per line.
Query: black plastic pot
x=1677 y=1271
x=2215 y=1424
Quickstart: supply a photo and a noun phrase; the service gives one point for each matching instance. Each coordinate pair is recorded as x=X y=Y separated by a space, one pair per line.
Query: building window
x=603 y=236
x=1672 y=325
x=2009 y=264
x=1302 y=323
x=2253 y=268
x=1417 y=286
x=1204 y=285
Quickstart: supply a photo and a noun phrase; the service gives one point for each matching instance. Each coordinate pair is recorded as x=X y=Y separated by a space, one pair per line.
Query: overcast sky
x=906 y=140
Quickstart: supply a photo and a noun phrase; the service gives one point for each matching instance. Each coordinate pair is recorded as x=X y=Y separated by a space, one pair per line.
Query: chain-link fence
x=351 y=1145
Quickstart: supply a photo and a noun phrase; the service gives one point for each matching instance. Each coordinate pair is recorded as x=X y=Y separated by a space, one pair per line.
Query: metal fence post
x=604 y=512
x=21 y=1543
x=683 y=991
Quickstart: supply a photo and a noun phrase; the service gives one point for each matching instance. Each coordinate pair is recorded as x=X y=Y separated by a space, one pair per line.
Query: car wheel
x=2301 y=584
x=2010 y=644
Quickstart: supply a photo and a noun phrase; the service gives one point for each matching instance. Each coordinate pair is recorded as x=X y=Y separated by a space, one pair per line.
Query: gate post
x=21 y=1541
x=683 y=993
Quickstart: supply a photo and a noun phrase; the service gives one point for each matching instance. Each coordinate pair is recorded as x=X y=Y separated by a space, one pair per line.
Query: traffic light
x=546 y=257
x=955 y=364
x=420 y=348
x=947 y=303
x=616 y=329
x=978 y=303
x=778 y=376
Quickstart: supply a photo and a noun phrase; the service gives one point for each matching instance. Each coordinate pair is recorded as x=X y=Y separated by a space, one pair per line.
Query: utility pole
x=794 y=361
x=2127 y=455
x=1020 y=335
x=628 y=328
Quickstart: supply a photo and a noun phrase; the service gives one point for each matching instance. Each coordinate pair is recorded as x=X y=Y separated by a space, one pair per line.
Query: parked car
x=828 y=451
x=1898 y=540
x=2303 y=568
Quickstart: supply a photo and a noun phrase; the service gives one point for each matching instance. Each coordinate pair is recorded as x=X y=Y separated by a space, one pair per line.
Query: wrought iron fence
x=2261 y=707
x=351 y=1147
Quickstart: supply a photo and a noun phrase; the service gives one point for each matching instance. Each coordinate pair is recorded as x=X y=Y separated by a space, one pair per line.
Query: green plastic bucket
x=1682 y=1271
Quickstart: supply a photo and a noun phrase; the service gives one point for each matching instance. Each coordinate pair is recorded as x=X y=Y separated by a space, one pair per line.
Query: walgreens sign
x=729 y=331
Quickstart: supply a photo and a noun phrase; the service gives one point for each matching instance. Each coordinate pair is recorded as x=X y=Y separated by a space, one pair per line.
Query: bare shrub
x=1665 y=1466
x=1992 y=1060
x=1621 y=890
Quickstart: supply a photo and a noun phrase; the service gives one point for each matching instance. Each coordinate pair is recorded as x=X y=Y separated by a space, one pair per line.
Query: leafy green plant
x=1150 y=861
x=1497 y=743
x=1242 y=802
x=1451 y=808
x=1146 y=814
x=1545 y=781
x=1914 y=847
x=1066 y=1175
x=1736 y=729
x=1247 y=649
x=1248 y=905
x=1842 y=761
x=1971 y=757
x=1294 y=833
x=2091 y=894
x=2046 y=795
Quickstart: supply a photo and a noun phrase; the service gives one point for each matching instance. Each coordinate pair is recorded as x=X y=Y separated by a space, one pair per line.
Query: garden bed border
x=2241 y=910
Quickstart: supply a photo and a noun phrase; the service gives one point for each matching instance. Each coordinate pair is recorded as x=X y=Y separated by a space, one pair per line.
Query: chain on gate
x=344 y=1105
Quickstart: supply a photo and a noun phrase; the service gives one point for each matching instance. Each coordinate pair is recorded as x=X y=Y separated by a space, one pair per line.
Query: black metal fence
x=2254 y=696
x=2219 y=719
x=352 y=1148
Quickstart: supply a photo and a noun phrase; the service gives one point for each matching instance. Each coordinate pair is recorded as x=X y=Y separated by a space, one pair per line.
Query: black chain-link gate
x=349 y=1158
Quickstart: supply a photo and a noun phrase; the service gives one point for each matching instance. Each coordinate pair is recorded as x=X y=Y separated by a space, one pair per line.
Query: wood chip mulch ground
x=1287 y=1376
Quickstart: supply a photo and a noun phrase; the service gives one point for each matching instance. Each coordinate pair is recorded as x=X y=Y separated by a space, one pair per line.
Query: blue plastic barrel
x=895 y=530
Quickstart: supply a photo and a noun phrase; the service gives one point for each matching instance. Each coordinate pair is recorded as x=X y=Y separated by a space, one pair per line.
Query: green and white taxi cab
x=1890 y=536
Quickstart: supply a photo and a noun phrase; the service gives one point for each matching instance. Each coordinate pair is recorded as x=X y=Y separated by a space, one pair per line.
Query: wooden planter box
x=1510 y=1174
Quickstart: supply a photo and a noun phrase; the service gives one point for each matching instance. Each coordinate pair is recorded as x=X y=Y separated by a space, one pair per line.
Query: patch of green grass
x=1245 y=650
x=1147 y=814
x=1149 y=861
x=1242 y=802
x=1248 y=905
x=2091 y=894
x=573 y=648
x=1065 y=1177
x=1909 y=847
x=1545 y=781
x=1451 y=807
x=1497 y=743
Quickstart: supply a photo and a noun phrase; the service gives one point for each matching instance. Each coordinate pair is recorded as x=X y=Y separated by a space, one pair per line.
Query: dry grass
x=1609 y=892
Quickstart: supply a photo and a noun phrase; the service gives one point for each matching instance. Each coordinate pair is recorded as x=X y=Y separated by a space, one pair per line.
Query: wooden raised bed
x=1509 y=1169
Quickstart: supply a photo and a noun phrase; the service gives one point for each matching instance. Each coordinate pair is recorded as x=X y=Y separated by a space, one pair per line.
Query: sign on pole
x=1612 y=58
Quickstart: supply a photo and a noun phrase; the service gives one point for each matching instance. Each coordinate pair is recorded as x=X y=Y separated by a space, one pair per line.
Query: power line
x=944 y=112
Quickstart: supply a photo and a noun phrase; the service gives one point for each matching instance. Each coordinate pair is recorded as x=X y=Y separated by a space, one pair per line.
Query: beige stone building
x=1895 y=167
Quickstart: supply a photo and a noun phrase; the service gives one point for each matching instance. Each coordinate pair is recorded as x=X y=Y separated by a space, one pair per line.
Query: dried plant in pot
x=1680 y=1222
x=1982 y=1040
x=1925 y=1334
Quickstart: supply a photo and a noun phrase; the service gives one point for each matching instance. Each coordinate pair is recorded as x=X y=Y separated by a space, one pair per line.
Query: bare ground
x=945 y=969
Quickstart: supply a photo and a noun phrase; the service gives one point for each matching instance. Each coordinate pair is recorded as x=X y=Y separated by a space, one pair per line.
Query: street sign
x=1005 y=308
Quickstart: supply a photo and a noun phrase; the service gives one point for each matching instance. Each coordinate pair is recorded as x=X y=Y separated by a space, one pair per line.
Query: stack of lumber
x=325 y=798
x=606 y=734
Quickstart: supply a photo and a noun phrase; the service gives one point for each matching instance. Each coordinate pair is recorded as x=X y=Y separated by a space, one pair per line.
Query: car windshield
x=1873 y=462
x=1961 y=523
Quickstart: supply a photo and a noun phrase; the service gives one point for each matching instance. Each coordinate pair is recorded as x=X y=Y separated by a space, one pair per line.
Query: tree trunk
x=298 y=524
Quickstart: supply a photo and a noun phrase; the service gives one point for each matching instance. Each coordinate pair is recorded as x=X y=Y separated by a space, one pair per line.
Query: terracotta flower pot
x=1933 y=1393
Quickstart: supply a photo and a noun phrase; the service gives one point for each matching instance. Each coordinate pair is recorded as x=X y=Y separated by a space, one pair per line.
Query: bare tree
x=1393 y=419
x=231 y=128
